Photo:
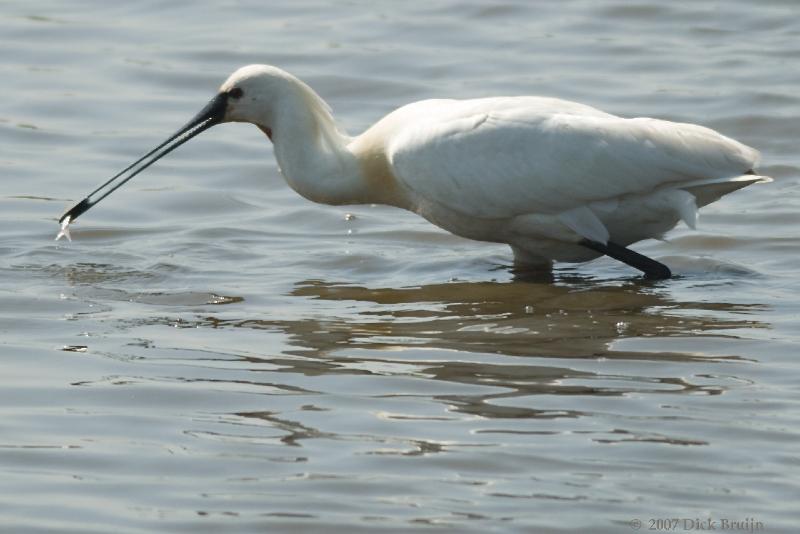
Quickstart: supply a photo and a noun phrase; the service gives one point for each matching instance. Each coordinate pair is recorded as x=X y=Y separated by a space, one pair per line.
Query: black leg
x=652 y=269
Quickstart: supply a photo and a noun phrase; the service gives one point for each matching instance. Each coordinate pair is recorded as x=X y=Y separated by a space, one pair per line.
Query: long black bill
x=210 y=115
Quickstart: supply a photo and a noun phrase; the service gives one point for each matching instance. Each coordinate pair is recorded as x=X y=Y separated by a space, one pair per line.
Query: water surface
x=214 y=353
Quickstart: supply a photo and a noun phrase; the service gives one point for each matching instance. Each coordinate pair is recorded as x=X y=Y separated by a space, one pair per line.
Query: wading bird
x=555 y=180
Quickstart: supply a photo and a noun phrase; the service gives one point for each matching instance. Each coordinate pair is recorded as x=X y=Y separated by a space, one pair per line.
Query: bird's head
x=252 y=92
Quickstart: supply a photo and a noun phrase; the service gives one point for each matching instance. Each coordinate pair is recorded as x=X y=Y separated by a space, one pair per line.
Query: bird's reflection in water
x=566 y=320
x=519 y=338
x=443 y=354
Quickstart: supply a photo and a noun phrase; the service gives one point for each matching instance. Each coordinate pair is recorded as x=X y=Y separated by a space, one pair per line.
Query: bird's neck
x=312 y=153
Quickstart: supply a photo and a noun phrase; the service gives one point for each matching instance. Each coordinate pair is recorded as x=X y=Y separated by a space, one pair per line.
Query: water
x=213 y=353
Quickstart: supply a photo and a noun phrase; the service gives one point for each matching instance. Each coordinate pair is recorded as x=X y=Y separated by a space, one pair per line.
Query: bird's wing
x=497 y=158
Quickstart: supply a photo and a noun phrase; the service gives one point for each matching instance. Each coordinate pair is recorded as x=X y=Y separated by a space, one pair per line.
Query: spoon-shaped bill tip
x=75 y=211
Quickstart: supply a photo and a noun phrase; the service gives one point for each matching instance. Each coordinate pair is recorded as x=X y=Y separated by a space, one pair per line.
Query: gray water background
x=215 y=354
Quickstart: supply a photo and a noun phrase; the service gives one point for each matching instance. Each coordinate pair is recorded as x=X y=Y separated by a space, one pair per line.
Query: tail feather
x=712 y=189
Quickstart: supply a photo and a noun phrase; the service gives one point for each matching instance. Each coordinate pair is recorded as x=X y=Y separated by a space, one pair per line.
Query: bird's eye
x=236 y=93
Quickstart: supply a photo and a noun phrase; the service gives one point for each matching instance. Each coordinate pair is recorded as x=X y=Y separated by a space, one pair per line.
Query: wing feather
x=502 y=157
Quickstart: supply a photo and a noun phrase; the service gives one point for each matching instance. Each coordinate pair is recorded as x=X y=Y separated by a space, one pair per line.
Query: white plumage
x=555 y=163
x=556 y=180
x=502 y=157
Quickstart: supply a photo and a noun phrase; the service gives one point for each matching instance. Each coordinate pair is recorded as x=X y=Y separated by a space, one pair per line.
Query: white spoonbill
x=555 y=180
